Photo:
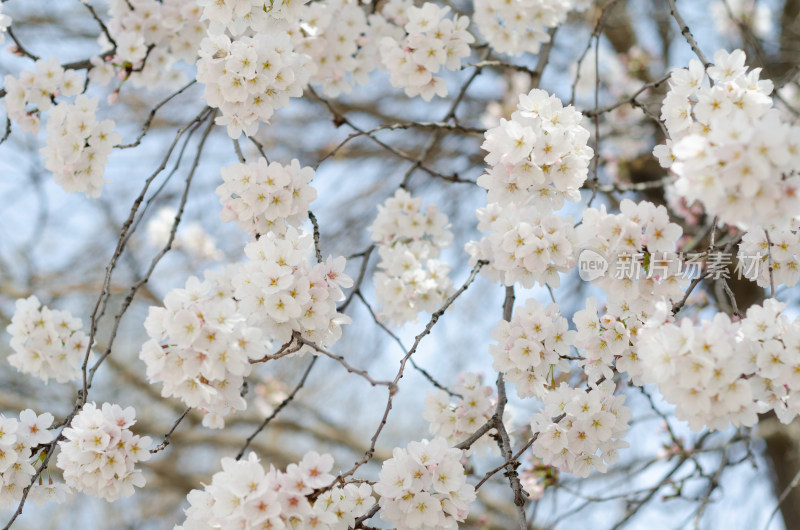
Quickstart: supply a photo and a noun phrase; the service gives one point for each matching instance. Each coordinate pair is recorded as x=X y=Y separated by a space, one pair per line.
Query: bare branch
x=278 y=409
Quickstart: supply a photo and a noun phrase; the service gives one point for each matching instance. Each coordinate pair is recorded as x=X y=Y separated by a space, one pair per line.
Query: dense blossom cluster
x=46 y=342
x=606 y=341
x=411 y=277
x=249 y=77
x=151 y=36
x=432 y=43
x=244 y=495
x=731 y=150
x=530 y=348
x=281 y=292
x=540 y=156
x=264 y=197
x=239 y=16
x=424 y=486
x=339 y=507
x=638 y=244
x=342 y=43
x=780 y=251
x=523 y=245
x=200 y=347
x=522 y=26
x=576 y=425
x=32 y=93
x=18 y=438
x=537 y=160
x=642 y=269
x=99 y=452
x=78 y=146
x=455 y=422
x=203 y=340
x=726 y=372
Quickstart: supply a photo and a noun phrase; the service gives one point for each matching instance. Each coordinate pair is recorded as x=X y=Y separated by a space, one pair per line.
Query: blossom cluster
x=424 y=486
x=540 y=156
x=244 y=495
x=576 y=425
x=78 y=146
x=239 y=16
x=18 y=438
x=249 y=77
x=730 y=149
x=779 y=250
x=282 y=293
x=264 y=197
x=455 y=422
x=530 y=348
x=522 y=26
x=411 y=277
x=432 y=42
x=151 y=36
x=640 y=244
x=342 y=43
x=99 y=452
x=32 y=93
x=200 y=347
x=726 y=372
x=606 y=341
x=537 y=160
x=523 y=245
x=203 y=340
x=46 y=342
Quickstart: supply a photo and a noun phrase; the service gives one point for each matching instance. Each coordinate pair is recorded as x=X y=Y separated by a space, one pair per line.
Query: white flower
x=32 y=429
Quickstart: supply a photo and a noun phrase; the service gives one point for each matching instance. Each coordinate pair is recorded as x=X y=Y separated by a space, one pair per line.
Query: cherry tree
x=342 y=264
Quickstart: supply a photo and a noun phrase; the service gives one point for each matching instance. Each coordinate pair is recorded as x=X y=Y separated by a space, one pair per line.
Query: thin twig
x=315 y=224
x=769 y=261
x=673 y=10
x=152 y=115
x=163 y=445
x=783 y=496
x=279 y=408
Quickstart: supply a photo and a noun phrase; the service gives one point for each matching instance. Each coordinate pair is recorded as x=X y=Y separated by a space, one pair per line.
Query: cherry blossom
x=732 y=150
x=47 y=343
x=424 y=486
x=99 y=452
